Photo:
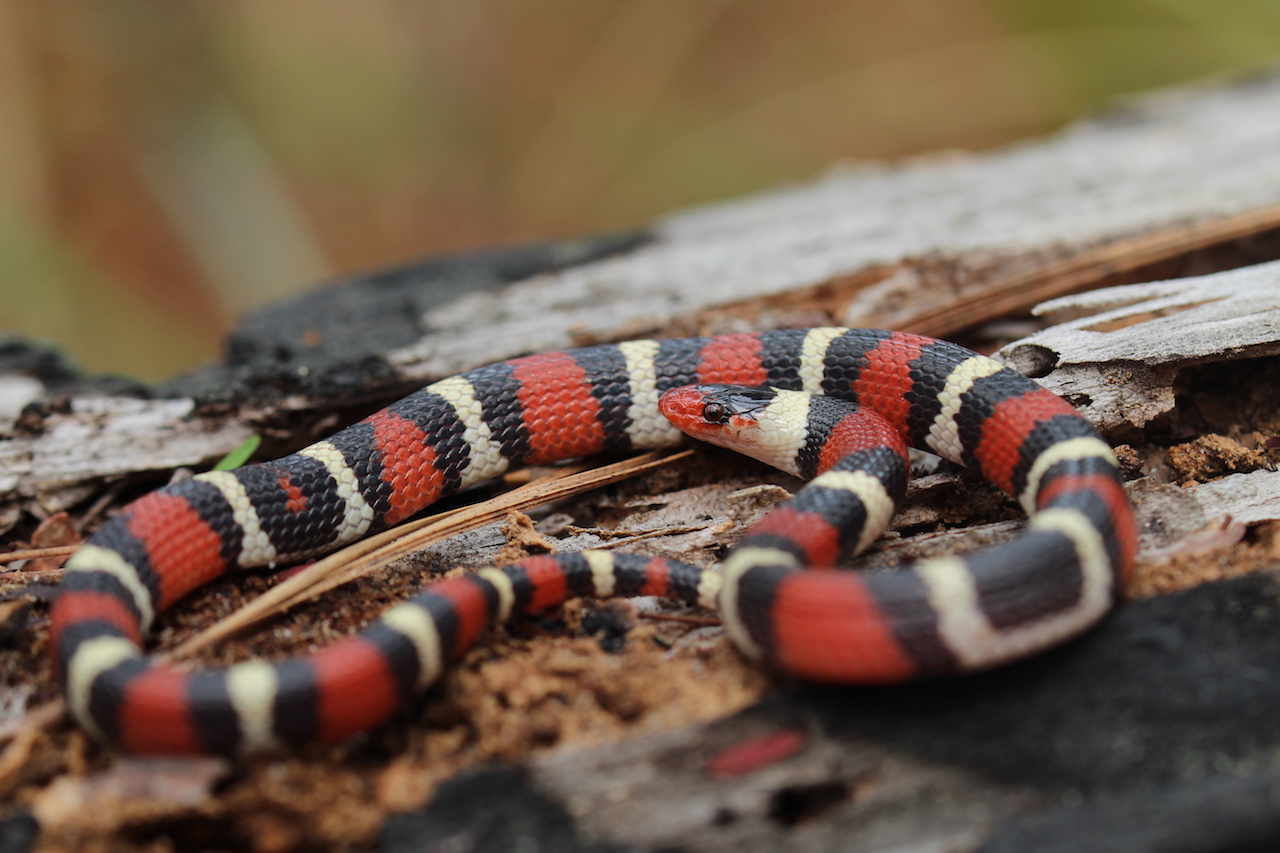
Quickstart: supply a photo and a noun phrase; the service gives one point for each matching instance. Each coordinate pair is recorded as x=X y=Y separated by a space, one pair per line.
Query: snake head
x=764 y=423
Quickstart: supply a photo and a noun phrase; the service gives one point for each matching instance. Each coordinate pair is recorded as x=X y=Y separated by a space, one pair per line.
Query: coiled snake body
x=777 y=597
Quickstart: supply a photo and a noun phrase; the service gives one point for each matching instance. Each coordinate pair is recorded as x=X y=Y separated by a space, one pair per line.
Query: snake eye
x=715 y=413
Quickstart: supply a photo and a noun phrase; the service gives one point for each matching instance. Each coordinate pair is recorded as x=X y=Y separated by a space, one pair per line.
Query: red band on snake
x=777 y=597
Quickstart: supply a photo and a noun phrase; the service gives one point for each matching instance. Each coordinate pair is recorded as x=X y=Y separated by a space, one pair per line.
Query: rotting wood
x=98 y=438
x=1246 y=498
x=935 y=245
x=1017 y=293
x=1118 y=363
x=892 y=797
x=614 y=793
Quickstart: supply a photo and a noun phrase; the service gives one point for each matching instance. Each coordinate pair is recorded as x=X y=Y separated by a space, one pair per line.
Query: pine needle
x=369 y=555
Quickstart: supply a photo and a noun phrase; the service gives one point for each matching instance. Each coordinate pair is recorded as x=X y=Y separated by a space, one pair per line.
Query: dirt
x=590 y=674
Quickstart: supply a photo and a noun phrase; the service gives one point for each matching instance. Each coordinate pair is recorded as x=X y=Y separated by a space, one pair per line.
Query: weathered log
x=1132 y=730
x=1119 y=362
x=935 y=245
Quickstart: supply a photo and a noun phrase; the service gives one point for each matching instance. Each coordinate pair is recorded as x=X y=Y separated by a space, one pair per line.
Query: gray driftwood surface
x=1118 y=362
x=878 y=236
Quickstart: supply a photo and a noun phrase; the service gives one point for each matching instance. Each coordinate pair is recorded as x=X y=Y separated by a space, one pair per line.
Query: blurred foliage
x=165 y=166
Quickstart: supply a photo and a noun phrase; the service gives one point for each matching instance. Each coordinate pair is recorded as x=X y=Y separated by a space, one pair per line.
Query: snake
x=834 y=405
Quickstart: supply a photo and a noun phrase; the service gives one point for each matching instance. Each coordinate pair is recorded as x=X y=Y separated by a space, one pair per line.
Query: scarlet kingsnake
x=938 y=616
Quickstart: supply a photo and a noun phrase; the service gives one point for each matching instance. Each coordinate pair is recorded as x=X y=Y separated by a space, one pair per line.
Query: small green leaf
x=240 y=455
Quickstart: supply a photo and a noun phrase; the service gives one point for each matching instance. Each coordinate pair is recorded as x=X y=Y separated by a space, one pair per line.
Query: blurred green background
x=166 y=165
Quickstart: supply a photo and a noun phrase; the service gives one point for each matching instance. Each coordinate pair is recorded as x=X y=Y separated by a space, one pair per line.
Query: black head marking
x=722 y=402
